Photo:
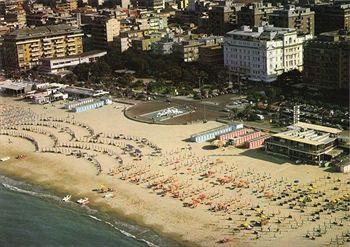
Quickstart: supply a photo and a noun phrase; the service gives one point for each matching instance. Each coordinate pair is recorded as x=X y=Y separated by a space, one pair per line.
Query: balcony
x=58 y=41
x=35 y=54
x=60 y=50
x=36 y=49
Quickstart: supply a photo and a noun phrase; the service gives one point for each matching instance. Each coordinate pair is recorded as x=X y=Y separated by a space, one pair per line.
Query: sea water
x=32 y=217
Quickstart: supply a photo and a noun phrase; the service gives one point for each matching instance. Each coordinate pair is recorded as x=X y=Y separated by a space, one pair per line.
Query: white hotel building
x=263 y=53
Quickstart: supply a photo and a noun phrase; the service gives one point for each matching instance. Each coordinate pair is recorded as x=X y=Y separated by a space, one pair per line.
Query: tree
x=100 y=69
x=82 y=71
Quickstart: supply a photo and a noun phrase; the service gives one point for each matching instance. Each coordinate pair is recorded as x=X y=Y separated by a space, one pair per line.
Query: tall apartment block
x=327 y=60
x=331 y=17
x=255 y=14
x=223 y=18
x=104 y=30
x=23 y=48
x=302 y=19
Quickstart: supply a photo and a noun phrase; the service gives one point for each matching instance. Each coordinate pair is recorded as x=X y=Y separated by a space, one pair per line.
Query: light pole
x=199 y=84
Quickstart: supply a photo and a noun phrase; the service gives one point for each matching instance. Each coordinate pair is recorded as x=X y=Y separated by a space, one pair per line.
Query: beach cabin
x=212 y=133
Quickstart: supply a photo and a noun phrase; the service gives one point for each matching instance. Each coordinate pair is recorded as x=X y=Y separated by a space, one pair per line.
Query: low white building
x=263 y=53
x=59 y=64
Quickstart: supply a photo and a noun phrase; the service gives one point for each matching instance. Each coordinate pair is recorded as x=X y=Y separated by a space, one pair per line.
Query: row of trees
x=169 y=72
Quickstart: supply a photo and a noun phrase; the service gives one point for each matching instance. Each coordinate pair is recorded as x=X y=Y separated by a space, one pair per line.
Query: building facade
x=150 y=4
x=327 y=60
x=57 y=65
x=103 y=31
x=331 y=17
x=13 y=12
x=223 y=18
x=302 y=19
x=255 y=14
x=23 y=48
x=263 y=53
x=211 y=55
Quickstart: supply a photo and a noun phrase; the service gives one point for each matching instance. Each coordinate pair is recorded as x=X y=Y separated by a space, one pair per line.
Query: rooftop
x=84 y=91
x=16 y=86
x=309 y=134
x=81 y=55
x=318 y=128
x=41 y=31
x=259 y=33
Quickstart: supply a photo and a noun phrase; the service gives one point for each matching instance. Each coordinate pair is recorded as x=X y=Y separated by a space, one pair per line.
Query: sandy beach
x=195 y=195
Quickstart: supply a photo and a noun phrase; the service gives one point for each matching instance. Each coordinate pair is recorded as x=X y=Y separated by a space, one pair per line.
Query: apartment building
x=263 y=53
x=188 y=50
x=255 y=14
x=122 y=44
x=149 y=4
x=66 y=5
x=103 y=31
x=151 y=23
x=223 y=18
x=23 y=48
x=331 y=17
x=162 y=47
x=13 y=12
x=327 y=60
x=302 y=19
x=145 y=43
x=211 y=55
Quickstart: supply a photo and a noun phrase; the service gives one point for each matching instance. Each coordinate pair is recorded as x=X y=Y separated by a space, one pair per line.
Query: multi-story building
x=211 y=55
x=151 y=23
x=302 y=19
x=305 y=142
x=144 y=44
x=327 y=60
x=103 y=31
x=23 y=48
x=263 y=53
x=150 y=4
x=122 y=44
x=66 y=5
x=331 y=17
x=188 y=50
x=162 y=47
x=255 y=14
x=13 y=12
x=223 y=18
x=182 y=4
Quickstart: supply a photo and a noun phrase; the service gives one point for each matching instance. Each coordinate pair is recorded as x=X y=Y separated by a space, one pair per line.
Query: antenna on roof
x=296 y=114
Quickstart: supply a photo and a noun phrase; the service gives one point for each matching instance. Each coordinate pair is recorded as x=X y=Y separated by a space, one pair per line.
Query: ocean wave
x=9 y=184
x=125 y=233
x=29 y=192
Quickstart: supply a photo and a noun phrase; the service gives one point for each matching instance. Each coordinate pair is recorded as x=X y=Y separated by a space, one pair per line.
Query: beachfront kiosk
x=306 y=142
